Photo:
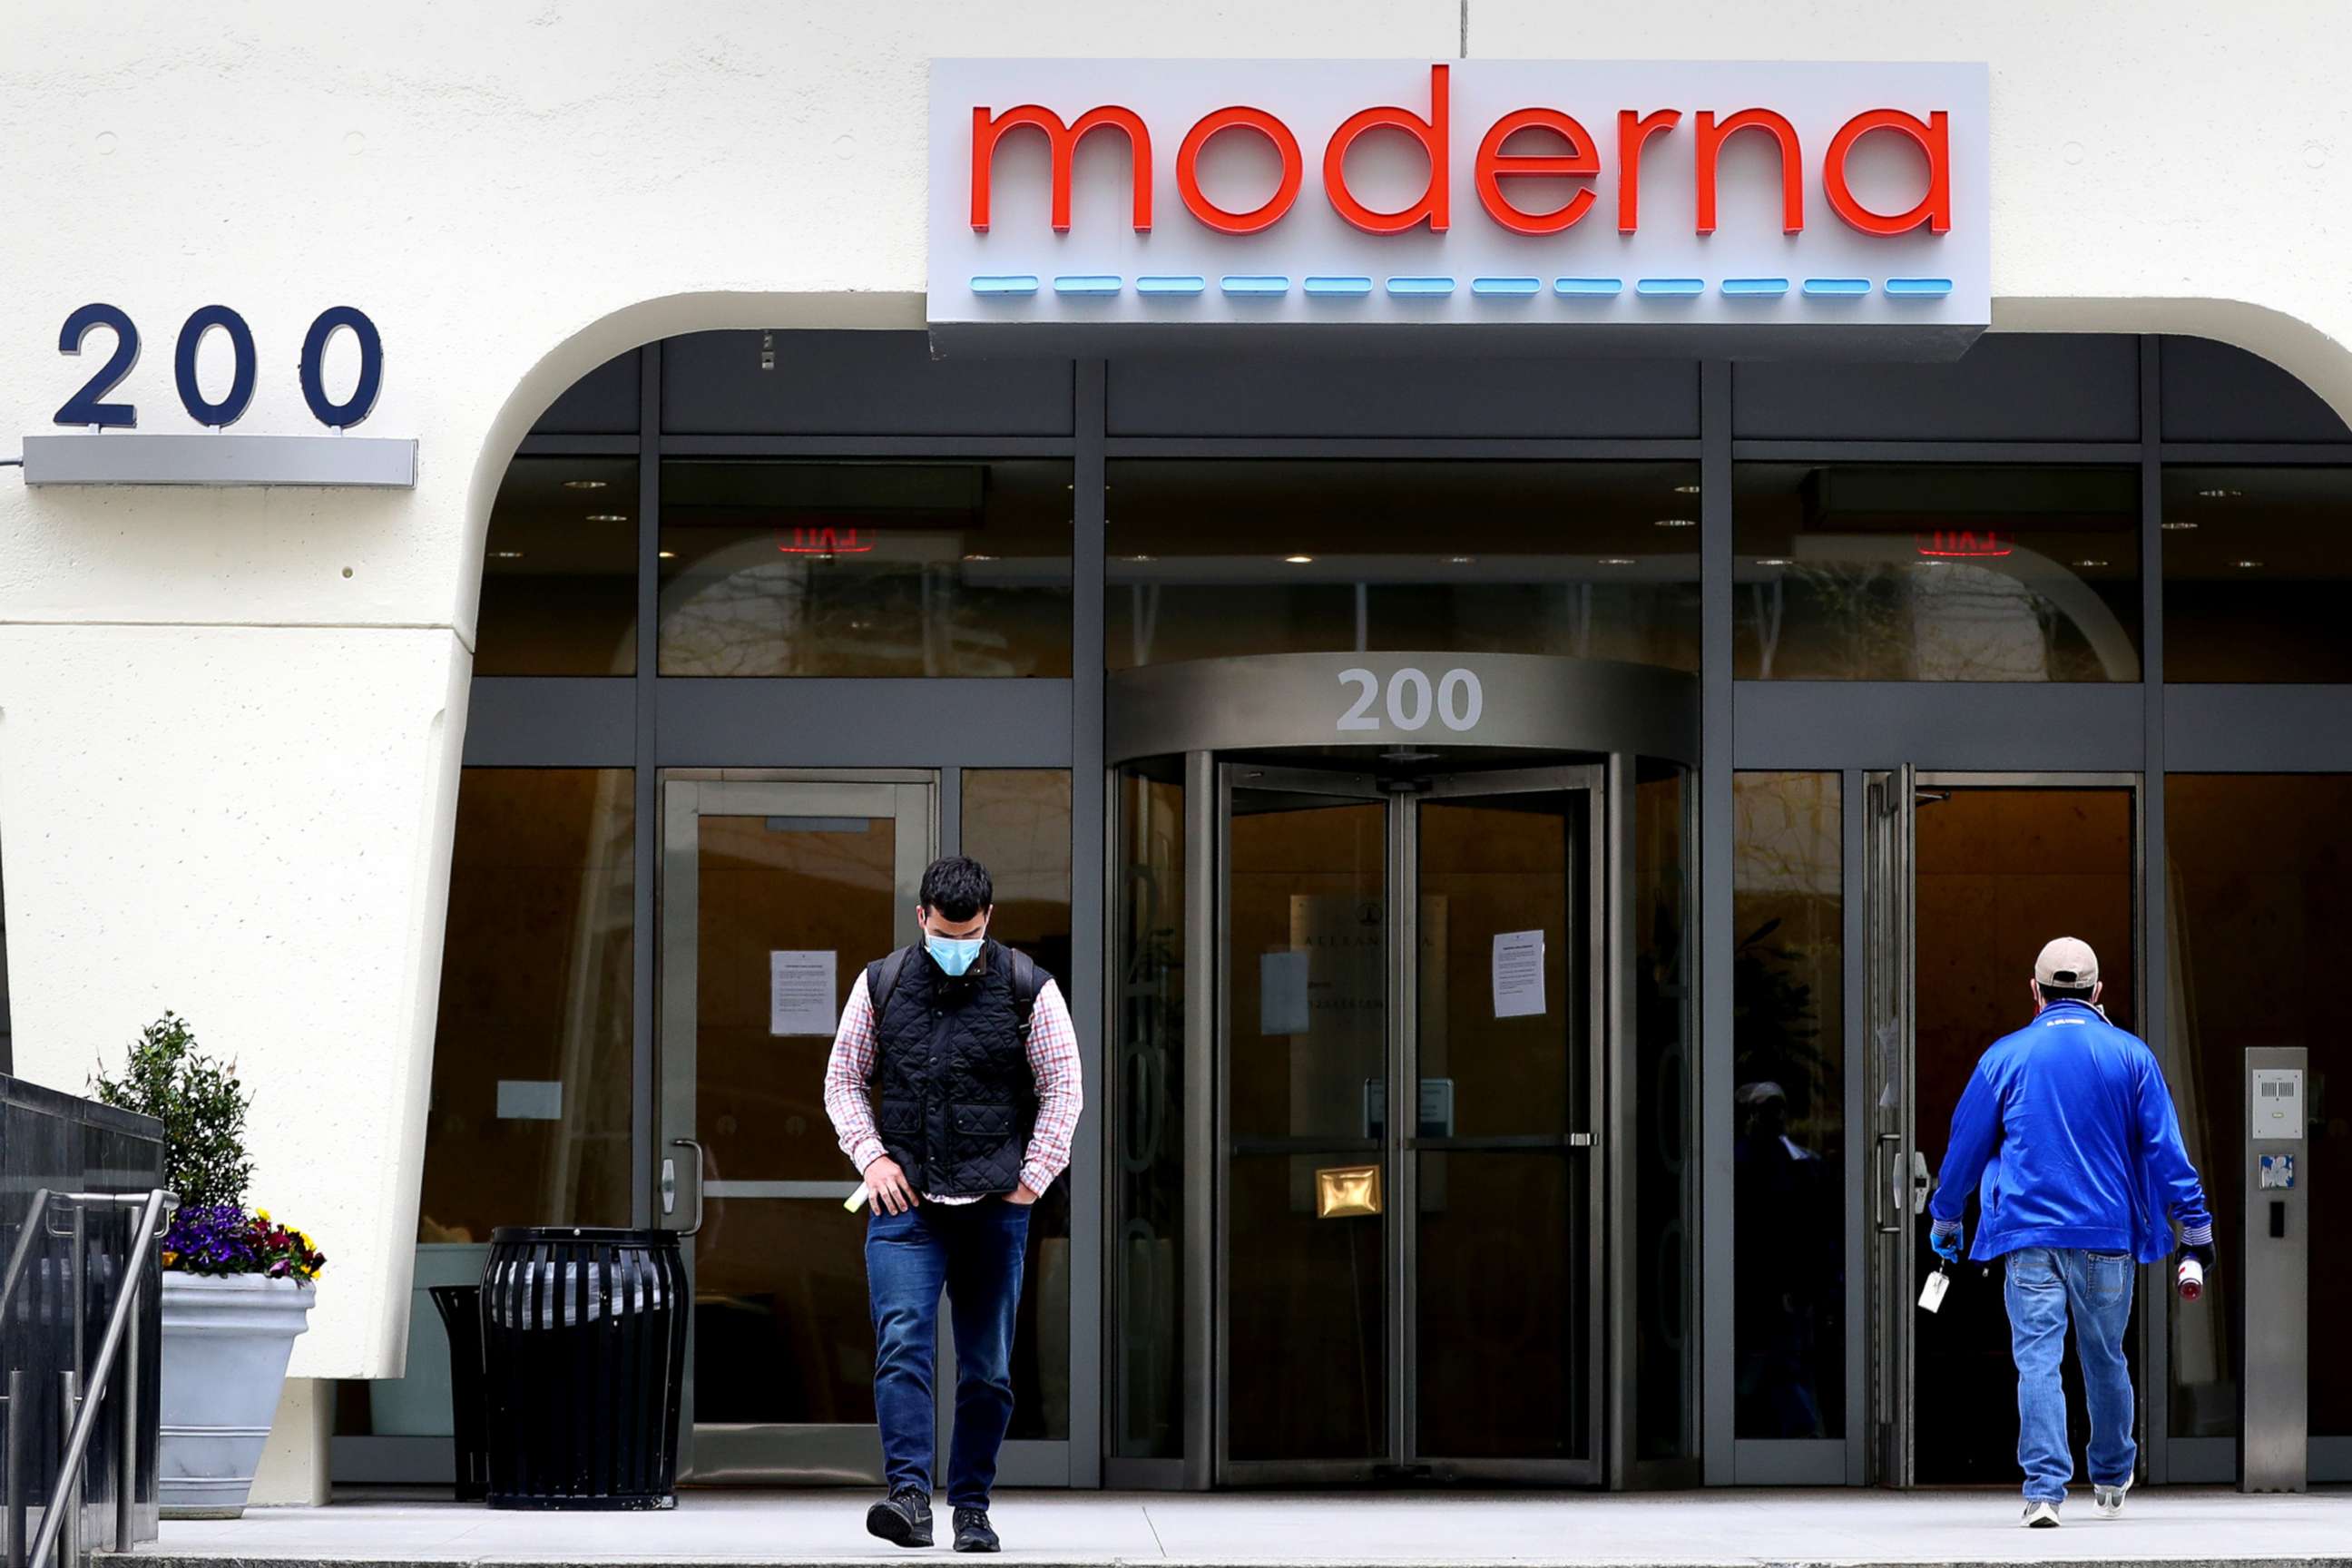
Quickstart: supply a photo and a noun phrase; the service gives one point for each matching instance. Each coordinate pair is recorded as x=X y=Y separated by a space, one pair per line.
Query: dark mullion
x=1090 y=920
x=909 y=447
x=2155 y=987
x=642 y=1133
x=2020 y=452
x=1406 y=448
x=1716 y=556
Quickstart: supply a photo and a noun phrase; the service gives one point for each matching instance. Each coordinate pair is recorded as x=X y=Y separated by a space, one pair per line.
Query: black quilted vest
x=957 y=1100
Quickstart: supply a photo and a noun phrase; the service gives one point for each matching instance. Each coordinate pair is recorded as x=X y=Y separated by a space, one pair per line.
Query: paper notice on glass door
x=1519 y=974
x=800 y=992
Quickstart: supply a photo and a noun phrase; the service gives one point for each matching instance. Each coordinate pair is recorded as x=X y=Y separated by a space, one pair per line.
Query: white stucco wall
x=230 y=721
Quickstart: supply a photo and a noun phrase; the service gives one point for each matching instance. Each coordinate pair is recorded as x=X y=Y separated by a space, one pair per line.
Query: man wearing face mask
x=966 y=1052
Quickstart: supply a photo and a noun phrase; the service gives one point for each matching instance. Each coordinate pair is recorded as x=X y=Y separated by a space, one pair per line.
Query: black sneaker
x=902 y=1519
x=972 y=1533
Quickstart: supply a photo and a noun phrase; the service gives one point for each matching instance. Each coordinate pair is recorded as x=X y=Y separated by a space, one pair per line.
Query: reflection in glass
x=2261 y=873
x=1307 y=1364
x=1666 y=1175
x=530 y=1117
x=874 y=569
x=1016 y=821
x=560 y=570
x=1788 y=987
x=1147 y=1118
x=1209 y=559
x=1916 y=572
x=2257 y=562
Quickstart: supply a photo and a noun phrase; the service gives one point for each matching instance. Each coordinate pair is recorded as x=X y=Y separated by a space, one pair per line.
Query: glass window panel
x=1016 y=821
x=873 y=568
x=1862 y=572
x=1788 y=994
x=2257 y=562
x=1146 y=1121
x=2260 y=877
x=560 y=570
x=529 y=1115
x=1665 y=1173
x=1216 y=558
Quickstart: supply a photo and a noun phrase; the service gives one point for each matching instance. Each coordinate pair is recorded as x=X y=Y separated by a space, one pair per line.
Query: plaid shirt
x=1053 y=1061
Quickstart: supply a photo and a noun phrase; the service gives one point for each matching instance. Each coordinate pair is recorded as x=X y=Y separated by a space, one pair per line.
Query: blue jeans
x=975 y=1252
x=2043 y=1283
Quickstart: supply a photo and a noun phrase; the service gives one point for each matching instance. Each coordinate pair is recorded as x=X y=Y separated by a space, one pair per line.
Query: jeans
x=2043 y=1283
x=975 y=1252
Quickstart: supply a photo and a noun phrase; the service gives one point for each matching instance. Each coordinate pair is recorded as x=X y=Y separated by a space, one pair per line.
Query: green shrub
x=201 y=1105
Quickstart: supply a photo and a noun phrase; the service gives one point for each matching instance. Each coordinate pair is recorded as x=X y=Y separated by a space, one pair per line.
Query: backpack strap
x=1027 y=981
x=882 y=978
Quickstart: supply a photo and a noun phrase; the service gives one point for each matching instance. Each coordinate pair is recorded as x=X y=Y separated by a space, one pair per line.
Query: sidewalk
x=1779 y=1528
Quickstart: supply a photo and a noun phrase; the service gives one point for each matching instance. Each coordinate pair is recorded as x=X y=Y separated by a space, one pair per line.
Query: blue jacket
x=2067 y=1133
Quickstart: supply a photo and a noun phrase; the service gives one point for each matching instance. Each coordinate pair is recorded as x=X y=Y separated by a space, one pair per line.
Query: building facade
x=1652 y=749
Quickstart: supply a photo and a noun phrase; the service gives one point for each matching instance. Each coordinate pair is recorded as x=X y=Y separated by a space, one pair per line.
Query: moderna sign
x=1728 y=209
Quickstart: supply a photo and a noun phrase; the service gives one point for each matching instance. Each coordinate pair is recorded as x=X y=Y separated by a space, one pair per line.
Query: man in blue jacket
x=2067 y=1133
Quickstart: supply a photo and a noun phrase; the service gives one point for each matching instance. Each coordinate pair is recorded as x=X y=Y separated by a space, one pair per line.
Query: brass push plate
x=1342 y=1192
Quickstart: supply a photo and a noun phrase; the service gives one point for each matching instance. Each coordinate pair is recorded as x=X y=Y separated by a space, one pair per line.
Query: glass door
x=774 y=896
x=1967 y=875
x=1307 y=1352
x=1408 y=1293
x=1504 y=1325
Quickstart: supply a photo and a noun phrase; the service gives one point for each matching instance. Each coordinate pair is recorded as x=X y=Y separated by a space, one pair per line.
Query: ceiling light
x=2222 y=495
x=1460 y=559
x=669 y=554
x=1677 y=522
x=1685 y=489
x=2093 y=563
x=1775 y=561
x=1619 y=560
x=506 y=554
x=585 y=484
x=979 y=558
x=2179 y=525
x=608 y=517
x=2245 y=565
x=1298 y=559
x=1139 y=557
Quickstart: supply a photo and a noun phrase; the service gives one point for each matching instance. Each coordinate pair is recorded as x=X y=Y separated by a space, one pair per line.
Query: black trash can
x=460 y=1307
x=584 y=1354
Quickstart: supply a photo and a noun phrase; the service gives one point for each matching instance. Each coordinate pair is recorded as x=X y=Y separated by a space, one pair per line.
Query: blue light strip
x=1841 y=287
x=1919 y=287
x=1235 y=283
x=1755 y=287
x=1190 y=285
x=1347 y=287
x=1516 y=288
x=1423 y=287
x=1087 y=283
x=1680 y=288
x=1005 y=283
x=1589 y=287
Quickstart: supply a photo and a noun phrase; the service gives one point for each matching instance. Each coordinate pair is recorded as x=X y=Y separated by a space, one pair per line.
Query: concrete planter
x=225 y=1345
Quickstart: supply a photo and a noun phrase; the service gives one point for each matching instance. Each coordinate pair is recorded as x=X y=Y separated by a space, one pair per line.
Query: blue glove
x=1944 y=1236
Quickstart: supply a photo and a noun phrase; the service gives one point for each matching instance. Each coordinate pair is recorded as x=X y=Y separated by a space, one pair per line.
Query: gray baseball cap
x=2068 y=962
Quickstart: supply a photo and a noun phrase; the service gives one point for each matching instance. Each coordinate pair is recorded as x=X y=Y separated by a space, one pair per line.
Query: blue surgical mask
x=953 y=955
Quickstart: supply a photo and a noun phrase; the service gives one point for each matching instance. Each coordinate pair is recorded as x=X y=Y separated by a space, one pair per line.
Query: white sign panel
x=1724 y=206
x=1518 y=965
x=800 y=992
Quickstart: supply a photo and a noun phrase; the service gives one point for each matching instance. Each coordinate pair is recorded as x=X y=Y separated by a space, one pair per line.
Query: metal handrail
x=64 y=1502
x=41 y=1196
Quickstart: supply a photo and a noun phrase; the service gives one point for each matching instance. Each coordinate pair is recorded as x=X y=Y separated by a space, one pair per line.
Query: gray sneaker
x=2040 y=1516
x=2110 y=1500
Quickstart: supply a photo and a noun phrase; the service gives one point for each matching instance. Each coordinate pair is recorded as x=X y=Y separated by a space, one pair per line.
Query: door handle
x=1888 y=1184
x=1923 y=1181
x=669 y=1184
